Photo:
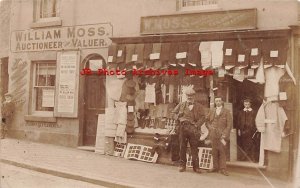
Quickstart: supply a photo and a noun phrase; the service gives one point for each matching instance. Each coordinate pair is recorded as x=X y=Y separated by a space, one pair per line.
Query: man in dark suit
x=247 y=132
x=219 y=125
x=190 y=115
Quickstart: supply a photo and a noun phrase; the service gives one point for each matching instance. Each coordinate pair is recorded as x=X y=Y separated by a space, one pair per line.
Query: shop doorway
x=248 y=147
x=94 y=98
x=4 y=77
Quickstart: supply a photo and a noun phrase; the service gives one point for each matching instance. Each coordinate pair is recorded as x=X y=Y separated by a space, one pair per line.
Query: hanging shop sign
x=73 y=37
x=200 y=22
x=66 y=97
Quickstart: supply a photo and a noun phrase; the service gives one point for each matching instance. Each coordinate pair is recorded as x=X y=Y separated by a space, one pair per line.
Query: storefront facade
x=60 y=102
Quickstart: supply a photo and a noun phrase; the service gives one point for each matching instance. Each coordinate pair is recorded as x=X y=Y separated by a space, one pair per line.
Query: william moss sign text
x=73 y=37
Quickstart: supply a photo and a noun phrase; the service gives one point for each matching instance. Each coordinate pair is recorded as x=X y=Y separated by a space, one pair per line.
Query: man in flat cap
x=219 y=125
x=191 y=116
x=7 y=110
x=247 y=132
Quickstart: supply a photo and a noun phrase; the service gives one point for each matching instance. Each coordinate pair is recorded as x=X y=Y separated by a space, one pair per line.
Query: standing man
x=191 y=116
x=7 y=110
x=220 y=125
x=247 y=132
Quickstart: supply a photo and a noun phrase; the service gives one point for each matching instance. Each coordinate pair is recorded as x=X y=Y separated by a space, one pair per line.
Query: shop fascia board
x=209 y=36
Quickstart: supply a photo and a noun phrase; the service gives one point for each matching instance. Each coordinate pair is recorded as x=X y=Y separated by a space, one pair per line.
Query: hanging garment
x=276 y=117
x=110 y=126
x=150 y=93
x=120 y=113
x=140 y=100
x=239 y=74
x=270 y=120
x=260 y=75
x=115 y=89
x=206 y=56
x=273 y=75
x=121 y=135
x=217 y=53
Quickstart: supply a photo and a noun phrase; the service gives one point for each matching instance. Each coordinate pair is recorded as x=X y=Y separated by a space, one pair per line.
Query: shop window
x=186 y=5
x=46 y=13
x=43 y=87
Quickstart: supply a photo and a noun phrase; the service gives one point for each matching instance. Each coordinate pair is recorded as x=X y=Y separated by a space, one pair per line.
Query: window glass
x=44 y=86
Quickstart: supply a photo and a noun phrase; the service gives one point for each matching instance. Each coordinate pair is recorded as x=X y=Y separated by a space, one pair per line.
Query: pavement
x=109 y=171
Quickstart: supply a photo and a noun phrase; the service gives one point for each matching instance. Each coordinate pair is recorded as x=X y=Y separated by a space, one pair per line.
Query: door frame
x=82 y=94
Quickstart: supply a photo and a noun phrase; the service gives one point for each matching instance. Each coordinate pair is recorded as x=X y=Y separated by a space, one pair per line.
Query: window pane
x=44 y=86
x=45 y=74
x=47 y=8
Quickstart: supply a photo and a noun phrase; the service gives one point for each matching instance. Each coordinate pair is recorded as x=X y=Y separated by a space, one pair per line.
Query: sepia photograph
x=149 y=93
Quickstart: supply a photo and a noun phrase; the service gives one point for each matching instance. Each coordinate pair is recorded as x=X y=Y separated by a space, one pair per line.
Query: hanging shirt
x=273 y=75
x=217 y=53
x=260 y=76
x=110 y=126
x=115 y=89
x=275 y=120
x=150 y=93
x=206 y=56
x=120 y=113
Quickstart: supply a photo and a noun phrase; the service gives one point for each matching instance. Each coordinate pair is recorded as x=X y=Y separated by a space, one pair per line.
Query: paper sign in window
x=110 y=59
x=154 y=56
x=228 y=52
x=119 y=53
x=48 y=98
x=241 y=58
x=95 y=64
x=181 y=55
x=134 y=57
x=254 y=51
x=274 y=53
x=130 y=109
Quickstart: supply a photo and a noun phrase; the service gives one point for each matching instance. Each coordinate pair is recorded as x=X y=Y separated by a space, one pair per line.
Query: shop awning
x=240 y=49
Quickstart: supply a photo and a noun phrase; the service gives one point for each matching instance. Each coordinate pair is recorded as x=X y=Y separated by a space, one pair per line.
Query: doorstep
x=87 y=148
x=245 y=164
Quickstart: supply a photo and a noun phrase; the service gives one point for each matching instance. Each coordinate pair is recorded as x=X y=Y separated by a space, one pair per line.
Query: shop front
x=54 y=102
x=232 y=60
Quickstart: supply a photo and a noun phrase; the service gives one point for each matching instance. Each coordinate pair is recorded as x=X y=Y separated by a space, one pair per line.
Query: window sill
x=40 y=118
x=47 y=22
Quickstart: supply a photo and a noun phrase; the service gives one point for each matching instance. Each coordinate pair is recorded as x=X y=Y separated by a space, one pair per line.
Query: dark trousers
x=248 y=146
x=188 y=134
x=219 y=154
x=175 y=147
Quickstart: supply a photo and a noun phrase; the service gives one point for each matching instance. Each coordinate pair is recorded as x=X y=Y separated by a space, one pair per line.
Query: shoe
x=224 y=172
x=182 y=168
x=213 y=170
x=197 y=170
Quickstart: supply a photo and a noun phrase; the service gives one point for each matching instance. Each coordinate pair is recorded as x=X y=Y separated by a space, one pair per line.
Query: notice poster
x=66 y=96
x=48 y=98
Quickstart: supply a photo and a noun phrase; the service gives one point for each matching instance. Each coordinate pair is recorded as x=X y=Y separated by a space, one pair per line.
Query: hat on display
x=190 y=92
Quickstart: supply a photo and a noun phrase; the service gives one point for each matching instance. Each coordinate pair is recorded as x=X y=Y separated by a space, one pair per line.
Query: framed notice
x=67 y=83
